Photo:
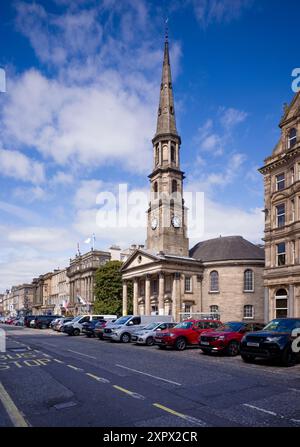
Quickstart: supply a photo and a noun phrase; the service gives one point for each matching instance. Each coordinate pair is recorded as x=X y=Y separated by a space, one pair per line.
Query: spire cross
x=166 y=29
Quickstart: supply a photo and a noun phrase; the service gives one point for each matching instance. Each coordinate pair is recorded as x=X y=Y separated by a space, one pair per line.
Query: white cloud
x=16 y=165
x=31 y=194
x=62 y=178
x=232 y=117
x=219 y=11
x=41 y=238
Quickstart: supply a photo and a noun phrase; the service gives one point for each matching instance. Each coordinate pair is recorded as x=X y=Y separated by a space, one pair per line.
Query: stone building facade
x=167 y=277
x=81 y=274
x=281 y=173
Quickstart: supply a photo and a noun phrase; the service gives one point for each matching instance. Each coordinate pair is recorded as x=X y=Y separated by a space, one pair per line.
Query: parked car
x=227 y=338
x=99 y=327
x=124 y=327
x=89 y=326
x=146 y=335
x=74 y=327
x=185 y=333
x=28 y=319
x=59 y=325
x=53 y=322
x=19 y=321
x=273 y=342
x=43 y=321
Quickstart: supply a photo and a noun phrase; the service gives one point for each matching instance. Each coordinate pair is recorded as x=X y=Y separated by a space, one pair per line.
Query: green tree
x=108 y=289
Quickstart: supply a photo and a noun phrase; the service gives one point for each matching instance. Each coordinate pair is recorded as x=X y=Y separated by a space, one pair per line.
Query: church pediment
x=138 y=258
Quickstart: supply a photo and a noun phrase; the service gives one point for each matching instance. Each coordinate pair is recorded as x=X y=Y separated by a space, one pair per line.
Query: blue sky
x=80 y=112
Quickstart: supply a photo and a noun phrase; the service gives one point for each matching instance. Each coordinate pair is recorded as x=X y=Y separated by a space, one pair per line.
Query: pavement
x=49 y=379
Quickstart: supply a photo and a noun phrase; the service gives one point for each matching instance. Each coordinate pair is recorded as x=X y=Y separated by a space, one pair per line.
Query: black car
x=276 y=341
x=89 y=326
x=43 y=321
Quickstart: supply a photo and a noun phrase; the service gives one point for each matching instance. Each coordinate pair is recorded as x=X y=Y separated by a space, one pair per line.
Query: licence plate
x=254 y=345
x=205 y=343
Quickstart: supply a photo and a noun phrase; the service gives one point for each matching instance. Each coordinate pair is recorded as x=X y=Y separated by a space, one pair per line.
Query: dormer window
x=292 y=138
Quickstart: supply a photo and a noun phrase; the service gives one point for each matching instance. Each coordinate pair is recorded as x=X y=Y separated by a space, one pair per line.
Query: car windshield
x=282 y=325
x=77 y=318
x=122 y=320
x=230 y=327
x=184 y=325
x=150 y=326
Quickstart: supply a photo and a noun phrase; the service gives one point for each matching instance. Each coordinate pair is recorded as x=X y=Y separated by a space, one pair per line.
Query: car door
x=195 y=332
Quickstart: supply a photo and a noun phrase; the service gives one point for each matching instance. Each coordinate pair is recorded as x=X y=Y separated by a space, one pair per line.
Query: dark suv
x=43 y=321
x=277 y=340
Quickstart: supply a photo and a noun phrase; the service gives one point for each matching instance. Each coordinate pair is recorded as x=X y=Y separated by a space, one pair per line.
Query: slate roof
x=226 y=249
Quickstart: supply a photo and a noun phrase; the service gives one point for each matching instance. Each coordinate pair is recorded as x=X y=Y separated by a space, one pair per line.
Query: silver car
x=146 y=335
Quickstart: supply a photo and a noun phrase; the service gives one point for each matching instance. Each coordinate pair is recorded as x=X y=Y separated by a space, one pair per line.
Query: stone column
x=125 y=298
x=147 y=295
x=135 y=297
x=161 y=294
x=291 y=312
x=266 y=305
x=175 y=296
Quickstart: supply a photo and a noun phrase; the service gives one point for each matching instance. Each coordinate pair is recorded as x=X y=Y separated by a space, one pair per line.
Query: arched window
x=248 y=311
x=214 y=309
x=281 y=303
x=173 y=154
x=292 y=138
x=174 y=186
x=157 y=154
x=248 y=281
x=155 y=190
x=214 y=281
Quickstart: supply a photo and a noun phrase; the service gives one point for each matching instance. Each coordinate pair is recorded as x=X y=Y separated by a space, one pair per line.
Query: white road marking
x=149 y=375
x=99 y=379
x=80 y=353
x=294 y=389
x=57 y=361
x=75 y=367
x=261 y=409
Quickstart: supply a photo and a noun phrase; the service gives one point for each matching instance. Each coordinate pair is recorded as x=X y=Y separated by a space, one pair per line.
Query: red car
x=227 y=338
x=184 y=334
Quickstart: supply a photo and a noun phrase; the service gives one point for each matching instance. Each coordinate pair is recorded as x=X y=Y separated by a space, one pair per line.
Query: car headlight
x=274 y=339
x=221 y=337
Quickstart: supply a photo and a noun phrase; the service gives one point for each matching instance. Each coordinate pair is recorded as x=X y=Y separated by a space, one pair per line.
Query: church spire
x=166 y=123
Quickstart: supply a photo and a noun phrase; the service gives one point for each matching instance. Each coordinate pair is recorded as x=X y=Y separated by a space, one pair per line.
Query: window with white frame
x=214 y=281
x=292 y=137
x=280 y=215
x=281 y=254
x=281 y=303
x=187 y=284
x=187 y=308
x=280 y=182
x=248 y=281
x=248 y=311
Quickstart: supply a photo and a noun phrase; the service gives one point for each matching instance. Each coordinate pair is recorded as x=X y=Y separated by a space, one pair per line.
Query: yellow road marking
x=14 y=414
x=180 y=415
x=75 y=367
x=99 y=379
x=130 y=393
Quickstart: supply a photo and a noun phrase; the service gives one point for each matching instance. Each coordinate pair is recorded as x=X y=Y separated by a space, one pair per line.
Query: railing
x=199 y=316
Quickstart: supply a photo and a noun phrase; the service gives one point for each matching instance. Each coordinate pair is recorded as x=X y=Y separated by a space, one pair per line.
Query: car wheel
x=100 y=337
x=205 y=351
x=150 y=341
x=76 y=332
x=288 y=358
x=125 y=338
x=248 y=358
x=180 y=344
x=233 y=348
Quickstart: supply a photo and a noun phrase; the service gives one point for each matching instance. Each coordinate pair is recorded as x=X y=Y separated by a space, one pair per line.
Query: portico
x=162 y=284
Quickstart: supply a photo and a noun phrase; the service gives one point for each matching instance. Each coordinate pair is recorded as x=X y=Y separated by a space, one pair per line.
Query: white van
x=123 y=328
x=74 y=327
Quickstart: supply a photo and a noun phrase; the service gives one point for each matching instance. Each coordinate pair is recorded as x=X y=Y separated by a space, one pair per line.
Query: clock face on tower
x=176 y=221
x=154 y=223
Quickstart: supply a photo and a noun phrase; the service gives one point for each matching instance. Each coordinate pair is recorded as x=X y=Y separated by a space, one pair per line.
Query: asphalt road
x=53 y=380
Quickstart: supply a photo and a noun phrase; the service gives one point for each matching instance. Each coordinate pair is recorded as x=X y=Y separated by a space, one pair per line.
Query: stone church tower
x=166 y=229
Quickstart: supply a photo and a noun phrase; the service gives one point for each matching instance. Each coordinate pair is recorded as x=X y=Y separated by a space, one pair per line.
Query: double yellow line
x=13 y=412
